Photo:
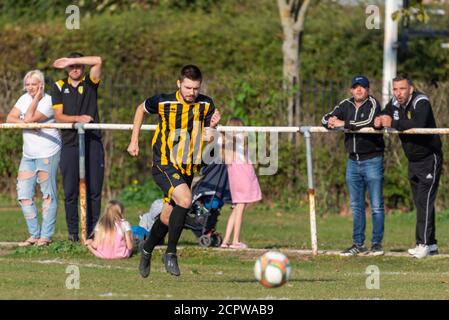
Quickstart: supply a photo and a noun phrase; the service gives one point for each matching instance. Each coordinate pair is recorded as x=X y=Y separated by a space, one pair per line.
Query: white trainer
x=421 y=251
x=433 y=250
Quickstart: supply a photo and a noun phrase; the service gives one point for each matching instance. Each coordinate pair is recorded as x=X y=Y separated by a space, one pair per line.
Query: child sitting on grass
x=112 y=239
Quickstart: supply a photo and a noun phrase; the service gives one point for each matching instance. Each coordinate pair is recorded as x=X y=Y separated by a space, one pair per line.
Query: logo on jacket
x=66 y=90
x=396 y=115
x=81 y=89
x=176 y=176
x=409 y=115
x=429 y=176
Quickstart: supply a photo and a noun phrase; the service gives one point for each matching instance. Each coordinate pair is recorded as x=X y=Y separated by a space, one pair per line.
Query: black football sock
x=157 y=233
x=175 y=226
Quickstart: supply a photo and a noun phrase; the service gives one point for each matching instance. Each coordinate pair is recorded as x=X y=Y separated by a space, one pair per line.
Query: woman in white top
x=39 y=163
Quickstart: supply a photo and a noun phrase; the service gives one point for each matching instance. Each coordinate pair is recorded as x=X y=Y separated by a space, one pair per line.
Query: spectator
x=112 y=239
x=409 y=109
x=75 y=100
x=244 y=187
x=365 y=169
x=39 y=163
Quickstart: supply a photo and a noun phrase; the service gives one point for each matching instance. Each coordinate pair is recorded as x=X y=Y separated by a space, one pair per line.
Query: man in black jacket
x=406 y=110
x=365 y=167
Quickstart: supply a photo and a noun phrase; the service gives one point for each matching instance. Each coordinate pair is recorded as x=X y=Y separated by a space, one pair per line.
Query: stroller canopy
x=214 y=182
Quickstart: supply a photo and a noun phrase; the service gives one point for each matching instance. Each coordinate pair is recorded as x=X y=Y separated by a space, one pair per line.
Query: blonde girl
x=112 y=238
x=243 y=183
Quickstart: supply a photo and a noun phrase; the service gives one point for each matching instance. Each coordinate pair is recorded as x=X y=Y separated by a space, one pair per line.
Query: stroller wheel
x=217 y=240
x=205 y=241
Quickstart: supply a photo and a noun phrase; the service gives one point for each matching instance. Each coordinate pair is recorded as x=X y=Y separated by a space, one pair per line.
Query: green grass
x=40 y=273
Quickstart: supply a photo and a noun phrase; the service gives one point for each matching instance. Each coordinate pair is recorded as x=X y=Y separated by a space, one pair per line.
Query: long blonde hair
x=105 y=228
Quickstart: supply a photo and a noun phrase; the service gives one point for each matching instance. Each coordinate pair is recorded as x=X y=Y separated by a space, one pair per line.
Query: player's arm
x=210 y=130
x=133 y=147
x=211 y=119
x=94 y=61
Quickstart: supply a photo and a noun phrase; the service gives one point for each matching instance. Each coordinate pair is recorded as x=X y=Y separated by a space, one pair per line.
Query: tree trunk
x=292 y=13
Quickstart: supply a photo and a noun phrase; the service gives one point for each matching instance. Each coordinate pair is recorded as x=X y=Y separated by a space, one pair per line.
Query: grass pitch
x=47 y=273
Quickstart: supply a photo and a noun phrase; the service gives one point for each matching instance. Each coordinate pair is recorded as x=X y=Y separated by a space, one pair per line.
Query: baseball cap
x=361 y=80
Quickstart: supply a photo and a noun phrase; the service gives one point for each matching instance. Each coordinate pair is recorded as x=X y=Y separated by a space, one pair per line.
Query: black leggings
x=69 y=165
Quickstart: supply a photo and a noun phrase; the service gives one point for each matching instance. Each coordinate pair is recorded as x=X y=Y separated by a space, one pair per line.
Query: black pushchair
x=209 y=195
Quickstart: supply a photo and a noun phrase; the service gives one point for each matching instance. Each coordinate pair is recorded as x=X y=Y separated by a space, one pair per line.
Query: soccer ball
x=273 y=269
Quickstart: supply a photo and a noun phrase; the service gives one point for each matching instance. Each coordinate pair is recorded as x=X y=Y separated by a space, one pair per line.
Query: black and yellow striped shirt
x=178 y=140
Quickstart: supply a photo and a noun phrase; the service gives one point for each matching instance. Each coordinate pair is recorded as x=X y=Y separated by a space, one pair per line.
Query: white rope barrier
x=382 y=131
x=152 y=127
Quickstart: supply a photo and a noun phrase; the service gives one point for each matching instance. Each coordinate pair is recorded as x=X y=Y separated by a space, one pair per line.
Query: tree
x=292 y=13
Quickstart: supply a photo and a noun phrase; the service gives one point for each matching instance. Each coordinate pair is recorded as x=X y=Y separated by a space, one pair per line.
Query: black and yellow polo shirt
x=178 y=140
x=78 y=100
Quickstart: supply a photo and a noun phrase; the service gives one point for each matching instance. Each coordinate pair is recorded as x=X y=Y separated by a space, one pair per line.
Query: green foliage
x=140 y=193
x=10 y=154
x=56 y=247
x=415 y=10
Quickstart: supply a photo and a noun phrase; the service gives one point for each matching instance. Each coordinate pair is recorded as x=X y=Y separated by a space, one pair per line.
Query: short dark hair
x=75 y=55
x=190 y=72
x=402 y=77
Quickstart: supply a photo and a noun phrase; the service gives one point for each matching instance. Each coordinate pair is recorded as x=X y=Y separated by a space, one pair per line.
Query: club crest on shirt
x=81 y=89
x=396 y=115
x=176 y=176
x=409 y=115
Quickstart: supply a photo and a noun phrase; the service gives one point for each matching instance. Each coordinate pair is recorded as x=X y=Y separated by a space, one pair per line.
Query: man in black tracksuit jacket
x=412 y=109
x=364 y=168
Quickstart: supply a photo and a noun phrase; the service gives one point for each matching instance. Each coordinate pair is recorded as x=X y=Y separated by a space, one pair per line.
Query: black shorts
x=168 y=178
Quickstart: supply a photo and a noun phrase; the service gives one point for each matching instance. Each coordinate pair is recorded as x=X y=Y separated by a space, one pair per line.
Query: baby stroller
x=209 y=195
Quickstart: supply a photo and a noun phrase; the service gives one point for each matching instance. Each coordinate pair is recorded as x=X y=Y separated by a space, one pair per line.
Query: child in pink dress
x=244 y=186
x=112 y=238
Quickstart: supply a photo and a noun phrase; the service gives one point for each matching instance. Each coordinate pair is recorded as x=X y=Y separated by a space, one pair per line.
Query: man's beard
x=188 y=99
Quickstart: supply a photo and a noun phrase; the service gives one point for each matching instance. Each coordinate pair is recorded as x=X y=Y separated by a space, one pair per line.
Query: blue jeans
x=26 y=191
x=360 y=175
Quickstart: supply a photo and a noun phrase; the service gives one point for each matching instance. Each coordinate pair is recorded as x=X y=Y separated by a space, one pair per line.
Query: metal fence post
x=82 y=175
x=311 y=190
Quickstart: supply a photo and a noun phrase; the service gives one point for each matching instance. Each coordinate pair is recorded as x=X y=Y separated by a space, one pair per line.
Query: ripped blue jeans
x=26 y=191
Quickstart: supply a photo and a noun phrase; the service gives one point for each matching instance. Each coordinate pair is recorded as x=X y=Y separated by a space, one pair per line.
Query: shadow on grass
x=295 y=280
x=400 y=250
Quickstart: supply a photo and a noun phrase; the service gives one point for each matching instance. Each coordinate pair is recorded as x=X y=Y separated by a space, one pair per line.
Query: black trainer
x=353 y=251
x=170 y=261
x=377 y=250
x=145 y=263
